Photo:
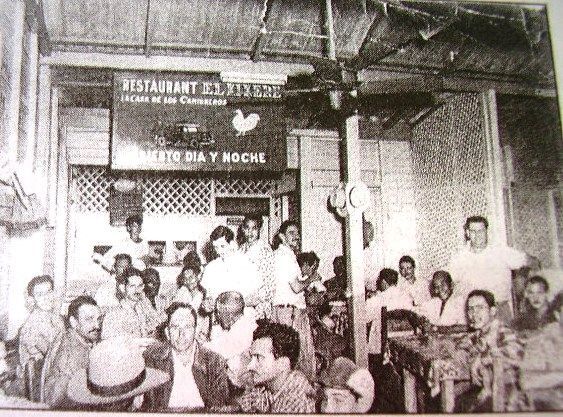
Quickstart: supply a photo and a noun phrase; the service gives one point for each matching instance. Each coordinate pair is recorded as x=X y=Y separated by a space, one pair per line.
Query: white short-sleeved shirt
x=137 y=251
x=234 y=273
x=418 y=291
x=286 y=270
x=453 y=313
x=489 y=269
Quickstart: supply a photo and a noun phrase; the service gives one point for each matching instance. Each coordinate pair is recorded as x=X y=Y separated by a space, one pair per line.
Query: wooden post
x=14 y=63
x=27 y=152
x=447 y=396
x=354 y=244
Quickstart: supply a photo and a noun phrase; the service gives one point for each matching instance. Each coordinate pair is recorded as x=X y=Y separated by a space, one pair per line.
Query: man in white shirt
x=132 y=245
x=198 y=378
x=388 y=295
x=233 y=336
x=231 y=271
x=130 y=316
x=487 y=267
x=416 y=288
x=107 y=293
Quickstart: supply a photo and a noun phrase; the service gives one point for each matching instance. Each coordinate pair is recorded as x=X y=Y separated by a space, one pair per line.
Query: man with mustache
x=84 y=323
x=130 y=317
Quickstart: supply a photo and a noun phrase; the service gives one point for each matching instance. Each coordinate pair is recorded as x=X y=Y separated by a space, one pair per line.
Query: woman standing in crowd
x=289 y=300
x=261 y=255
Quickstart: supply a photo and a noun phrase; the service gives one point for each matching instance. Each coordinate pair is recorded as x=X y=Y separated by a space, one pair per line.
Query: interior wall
x=451 y=178
x=530 y=134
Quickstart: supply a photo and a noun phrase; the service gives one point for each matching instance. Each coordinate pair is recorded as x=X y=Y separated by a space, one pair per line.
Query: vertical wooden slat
x=14 y=59
x=31 y=95
x=409 y=386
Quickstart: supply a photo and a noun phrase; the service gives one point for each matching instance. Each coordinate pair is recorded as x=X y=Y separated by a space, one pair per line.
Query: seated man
x=130 y=316
x=198 y=378
x=107 y=294
x=328 y=344
x=154 y=303
x=280 y=387
x=388 y=295
x=490 y=338
x=347 y=389
x=536 y=312
x=43 y=323
x=416 y=288
x=234 y=336
x=84 y=319
x=444 y=308
x=337 y=285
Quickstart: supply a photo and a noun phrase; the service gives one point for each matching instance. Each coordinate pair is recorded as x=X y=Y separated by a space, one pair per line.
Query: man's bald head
x=229 y=307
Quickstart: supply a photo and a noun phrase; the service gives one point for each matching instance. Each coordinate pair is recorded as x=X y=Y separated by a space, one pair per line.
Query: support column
x=14 y=66
x=27 y=148
x=354 y=244
x=494 y=162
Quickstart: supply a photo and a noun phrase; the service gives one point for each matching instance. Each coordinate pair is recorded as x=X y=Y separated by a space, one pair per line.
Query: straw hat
x=116 y=371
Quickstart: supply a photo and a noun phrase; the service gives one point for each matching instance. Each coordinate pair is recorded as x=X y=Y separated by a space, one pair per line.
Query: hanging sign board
x=174 y=121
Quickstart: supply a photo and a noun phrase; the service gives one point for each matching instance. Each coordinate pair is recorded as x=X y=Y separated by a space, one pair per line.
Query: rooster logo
x=244 y=124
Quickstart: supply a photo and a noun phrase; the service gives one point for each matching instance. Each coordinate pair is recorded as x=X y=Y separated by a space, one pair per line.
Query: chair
x=396 y=323
x=498 y=394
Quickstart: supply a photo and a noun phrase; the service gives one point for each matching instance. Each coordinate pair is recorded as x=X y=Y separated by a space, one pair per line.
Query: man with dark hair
x=198 y=378
x=490 y=339
x=535 y=312
x=337 y=285
x=274 y=354
x=416 y=288
x=387 y=294
x=43 y=323
x=70 y=353
x=480 y=265
x=130 y=316
x=132 y=245
x=230 y=271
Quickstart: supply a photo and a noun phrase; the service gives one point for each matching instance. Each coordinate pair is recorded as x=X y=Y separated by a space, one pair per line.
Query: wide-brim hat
x=79 y=388
x=116 y=370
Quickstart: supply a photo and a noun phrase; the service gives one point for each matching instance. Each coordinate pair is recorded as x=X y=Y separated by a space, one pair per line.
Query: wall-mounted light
x=248 y=78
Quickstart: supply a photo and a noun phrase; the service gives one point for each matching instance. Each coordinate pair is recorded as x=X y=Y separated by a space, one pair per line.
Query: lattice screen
x=164 y=193
x=450 y=166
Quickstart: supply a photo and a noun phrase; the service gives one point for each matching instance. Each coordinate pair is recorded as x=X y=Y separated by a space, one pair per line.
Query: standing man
x=133 y=245
x=274 y=354
x=483 y=266
x=107 y=294
x=130 y=316
x=84 y=319
x=416 y=288
x=198 y=377
x=231 y=271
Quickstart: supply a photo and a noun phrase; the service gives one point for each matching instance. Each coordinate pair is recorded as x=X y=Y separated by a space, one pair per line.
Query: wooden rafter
x=260 y=41
x=149 y=29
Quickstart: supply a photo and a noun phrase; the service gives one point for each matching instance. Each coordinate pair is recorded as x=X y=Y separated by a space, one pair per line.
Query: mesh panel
x=234 y=186
x=450 y=166
x=91 y=188
x=169 y=195
x=164 y=193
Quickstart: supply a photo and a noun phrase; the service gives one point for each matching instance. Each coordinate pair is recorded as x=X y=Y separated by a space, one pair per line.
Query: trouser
x=299 y=320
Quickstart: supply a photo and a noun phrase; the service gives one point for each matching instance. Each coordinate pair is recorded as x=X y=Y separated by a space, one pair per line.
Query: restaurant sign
x=175 y=121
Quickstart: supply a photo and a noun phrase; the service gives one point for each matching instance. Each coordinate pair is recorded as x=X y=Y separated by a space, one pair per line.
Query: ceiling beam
x=149 y=29
x=172 y=63
x=260 y=41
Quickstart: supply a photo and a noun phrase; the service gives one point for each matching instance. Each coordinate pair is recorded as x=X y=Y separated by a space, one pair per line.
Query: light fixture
x=249 y=78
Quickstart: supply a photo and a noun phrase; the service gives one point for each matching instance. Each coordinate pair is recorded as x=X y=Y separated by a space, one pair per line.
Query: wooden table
x=431 y=360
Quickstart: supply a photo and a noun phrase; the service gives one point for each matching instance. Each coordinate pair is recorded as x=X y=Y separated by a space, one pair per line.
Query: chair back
x=498 y=388
x=396 y=323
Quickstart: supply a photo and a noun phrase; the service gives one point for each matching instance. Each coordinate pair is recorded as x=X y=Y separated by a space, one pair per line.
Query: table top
x=432 y=356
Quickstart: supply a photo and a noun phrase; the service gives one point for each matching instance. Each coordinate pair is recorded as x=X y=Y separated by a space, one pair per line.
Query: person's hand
x=207 y=305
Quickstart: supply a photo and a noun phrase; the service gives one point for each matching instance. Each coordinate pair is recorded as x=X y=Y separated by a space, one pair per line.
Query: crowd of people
x=258 y=330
